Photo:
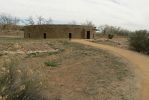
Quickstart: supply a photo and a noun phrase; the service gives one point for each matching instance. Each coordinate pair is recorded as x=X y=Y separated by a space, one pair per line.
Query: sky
x=128 y=14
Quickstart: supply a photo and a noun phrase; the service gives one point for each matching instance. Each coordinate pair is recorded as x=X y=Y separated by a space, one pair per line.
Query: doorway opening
x=70 y=36
x=88 y=34
x=29 y=35
x=44 y=35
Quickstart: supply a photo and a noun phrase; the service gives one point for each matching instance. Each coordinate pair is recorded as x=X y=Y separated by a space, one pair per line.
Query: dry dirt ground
x=141 y=62
x=82 y=72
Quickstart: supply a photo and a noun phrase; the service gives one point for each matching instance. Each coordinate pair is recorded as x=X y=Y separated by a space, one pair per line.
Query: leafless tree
x=41 y=20
x=16 y=21
x=38 y=21
x=4 y=19
x=101 y=28
x=48 y=21
x=8 y=22
x=29 y=21
x=107 y=29
x=89 y=23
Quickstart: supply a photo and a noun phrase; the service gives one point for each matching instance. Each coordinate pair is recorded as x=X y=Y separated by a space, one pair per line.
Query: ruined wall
x=57 y=31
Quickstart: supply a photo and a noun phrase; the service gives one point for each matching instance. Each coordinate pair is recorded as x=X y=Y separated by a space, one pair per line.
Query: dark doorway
x=45 y=35
x=88 y=34
x=70 y=36
x=29 y=35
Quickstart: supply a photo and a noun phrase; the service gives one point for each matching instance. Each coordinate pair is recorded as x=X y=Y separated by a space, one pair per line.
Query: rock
x=91 y=91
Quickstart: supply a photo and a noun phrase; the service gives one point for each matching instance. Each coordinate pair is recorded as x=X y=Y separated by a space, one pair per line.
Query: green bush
x=52 y=53
x=51 y=64
x=110 y=36
x=139 y=41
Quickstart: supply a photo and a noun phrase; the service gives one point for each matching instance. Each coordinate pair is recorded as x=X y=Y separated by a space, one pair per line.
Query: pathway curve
x=141 y=61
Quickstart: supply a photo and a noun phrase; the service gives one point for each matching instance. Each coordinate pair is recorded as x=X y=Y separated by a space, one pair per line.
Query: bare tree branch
x=89 y=23
x=40 y=20
x=30 y=21
x=48 y=21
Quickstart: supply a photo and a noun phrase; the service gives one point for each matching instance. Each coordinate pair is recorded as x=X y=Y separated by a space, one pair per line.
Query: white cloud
x=132 y=14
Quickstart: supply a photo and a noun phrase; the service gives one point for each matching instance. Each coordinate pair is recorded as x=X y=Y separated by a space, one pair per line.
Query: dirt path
x=141 y=61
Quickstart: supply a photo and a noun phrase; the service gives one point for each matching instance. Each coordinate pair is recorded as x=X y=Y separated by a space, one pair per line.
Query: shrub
x=51 y=64
x=52 y=53
x=35 y=54
x=139 y=41
x=21 y=83
x=110 y=36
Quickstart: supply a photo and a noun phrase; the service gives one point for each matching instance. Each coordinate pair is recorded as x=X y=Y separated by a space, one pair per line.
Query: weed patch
x=51 y=64
x=35 y=54
x=17 y=83
x=52 y=53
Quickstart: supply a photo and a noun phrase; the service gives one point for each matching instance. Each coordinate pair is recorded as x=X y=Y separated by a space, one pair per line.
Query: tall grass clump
x=139 y=41
x=21 y=83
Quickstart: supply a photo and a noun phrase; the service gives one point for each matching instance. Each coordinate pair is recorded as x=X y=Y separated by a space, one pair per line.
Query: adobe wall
x=57 y=31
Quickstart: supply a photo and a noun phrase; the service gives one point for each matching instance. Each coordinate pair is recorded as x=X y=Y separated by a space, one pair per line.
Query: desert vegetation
x=111 y=31
x=62 y=70
x=132 y=40
x=18 y=82
x=9 y=26
x=67 y=71
x=139 y=41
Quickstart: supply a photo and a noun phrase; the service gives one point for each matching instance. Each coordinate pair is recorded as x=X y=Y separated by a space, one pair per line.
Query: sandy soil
x=83 y=72
x=141 y=61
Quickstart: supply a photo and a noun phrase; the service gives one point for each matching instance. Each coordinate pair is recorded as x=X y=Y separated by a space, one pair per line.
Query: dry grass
x=82 y=73
x=116 y=42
